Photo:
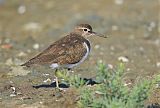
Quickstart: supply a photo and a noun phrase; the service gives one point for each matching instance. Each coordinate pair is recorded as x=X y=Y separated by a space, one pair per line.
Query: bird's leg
x=57 y=85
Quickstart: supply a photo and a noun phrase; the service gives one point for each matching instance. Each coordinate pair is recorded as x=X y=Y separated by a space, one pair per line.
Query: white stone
x=158 y=64
x=128 y=69
x=114 y=27
x=110 y=66
x=119 y=2
x=36 y=46
x=45 y=74
x=32 y=26
x=28 y=50
x=112 y=48
x=12 y=95
x=21 y=9
x=153 y=24
x=126 y=84
x=96 y=46
x=21 y=54
x=123 y=59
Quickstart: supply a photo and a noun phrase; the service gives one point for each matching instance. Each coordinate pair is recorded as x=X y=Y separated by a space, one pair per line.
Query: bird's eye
x=85 y=29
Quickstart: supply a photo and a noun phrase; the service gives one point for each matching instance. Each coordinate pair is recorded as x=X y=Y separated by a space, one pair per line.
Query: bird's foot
x=57 y=89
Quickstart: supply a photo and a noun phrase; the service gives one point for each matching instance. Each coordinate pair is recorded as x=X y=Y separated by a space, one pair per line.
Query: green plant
x=111 y=92
x=70 y=79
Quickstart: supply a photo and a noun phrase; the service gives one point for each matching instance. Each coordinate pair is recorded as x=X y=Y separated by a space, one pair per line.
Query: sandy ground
x=27 y=27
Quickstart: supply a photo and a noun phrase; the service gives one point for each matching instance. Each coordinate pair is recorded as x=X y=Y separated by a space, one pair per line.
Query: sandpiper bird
x=67 y=52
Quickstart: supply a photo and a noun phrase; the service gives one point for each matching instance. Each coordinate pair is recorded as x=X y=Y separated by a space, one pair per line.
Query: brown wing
x=68 y=50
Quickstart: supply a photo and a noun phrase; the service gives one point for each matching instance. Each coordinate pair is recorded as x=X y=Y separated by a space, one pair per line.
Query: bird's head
x=85 y=30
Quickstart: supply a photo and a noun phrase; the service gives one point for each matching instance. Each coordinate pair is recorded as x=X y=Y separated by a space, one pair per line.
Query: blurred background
x=29 y=26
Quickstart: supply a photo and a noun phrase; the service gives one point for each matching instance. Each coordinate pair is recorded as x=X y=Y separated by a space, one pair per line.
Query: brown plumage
x=71 y=49
x=62 y=51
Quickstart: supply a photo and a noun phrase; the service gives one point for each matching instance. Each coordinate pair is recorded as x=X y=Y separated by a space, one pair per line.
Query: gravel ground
x=132 y=27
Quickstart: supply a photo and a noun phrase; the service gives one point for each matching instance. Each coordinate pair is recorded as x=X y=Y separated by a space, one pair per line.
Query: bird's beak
x=98 y=34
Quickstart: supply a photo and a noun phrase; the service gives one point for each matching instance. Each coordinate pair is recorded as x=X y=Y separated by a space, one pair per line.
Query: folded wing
x=68 y=50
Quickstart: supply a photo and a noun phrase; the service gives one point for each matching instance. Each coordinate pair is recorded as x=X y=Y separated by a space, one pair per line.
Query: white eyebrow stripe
x=83 y=28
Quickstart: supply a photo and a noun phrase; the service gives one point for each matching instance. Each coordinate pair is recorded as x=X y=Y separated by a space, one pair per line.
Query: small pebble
x=110 y=66
x=97 y=46
x=36 y=46
x=12 y=95
x=141 y=48
x=118 y=2
x=157 y=85
x=22 y=54
x=71 y=71
x=40 y=102
x=11 y=82
x=128 y=69
x=114 y=28
x=89 y=85
x=45 y=74
x=123 y=59
x=18 y=93
x=158 y=64
x=100 y=61
x=21 y=9
x=6 y=46
x=153 y=24
x=32 y=26
x=28 y=51
x=126 y=84
x=112 y=48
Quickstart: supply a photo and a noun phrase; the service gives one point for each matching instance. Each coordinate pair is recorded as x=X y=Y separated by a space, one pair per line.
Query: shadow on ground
x=88 y=81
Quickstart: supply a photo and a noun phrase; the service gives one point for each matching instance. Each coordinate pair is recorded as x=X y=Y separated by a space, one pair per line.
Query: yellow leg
x=57 y=85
